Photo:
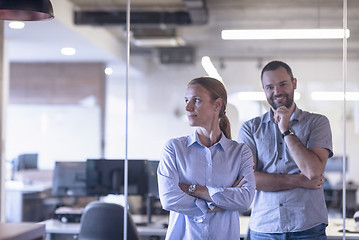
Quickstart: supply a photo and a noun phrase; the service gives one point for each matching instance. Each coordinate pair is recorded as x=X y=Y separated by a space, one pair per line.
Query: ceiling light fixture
x=16 y=25
x=108 y=71
x=335 y=96
x=26 y=10
x=68 y=51
x=267 y=34
x=158 y=42
x=210 y=68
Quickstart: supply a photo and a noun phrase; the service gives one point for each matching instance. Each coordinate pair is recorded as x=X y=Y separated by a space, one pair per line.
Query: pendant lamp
x=26 y=10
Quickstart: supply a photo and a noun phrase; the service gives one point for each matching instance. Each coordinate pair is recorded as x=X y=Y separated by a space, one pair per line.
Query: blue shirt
x=291 y=210
x=186 y=160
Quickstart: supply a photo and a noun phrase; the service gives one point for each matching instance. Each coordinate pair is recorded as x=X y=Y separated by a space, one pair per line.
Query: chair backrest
x=104 y=221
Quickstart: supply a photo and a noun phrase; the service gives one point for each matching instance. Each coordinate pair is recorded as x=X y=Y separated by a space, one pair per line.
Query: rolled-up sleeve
x=321 y=134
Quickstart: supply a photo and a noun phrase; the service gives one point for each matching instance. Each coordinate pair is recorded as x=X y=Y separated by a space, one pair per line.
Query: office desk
x=155 y=228
x=22 y=200
x=55 y=228
x=22 y=231
x=58 y=230
x=334 y=229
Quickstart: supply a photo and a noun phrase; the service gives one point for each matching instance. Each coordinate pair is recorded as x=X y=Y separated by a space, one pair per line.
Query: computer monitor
x=26 y=161
x=69 y=179
x=335 y=164
x=152 y=166
x=152 y=194
x=106 y=176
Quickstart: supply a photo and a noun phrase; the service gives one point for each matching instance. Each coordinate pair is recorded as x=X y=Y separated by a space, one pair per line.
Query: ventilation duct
x=179 y=18
x=196 y=14
x=182 y=55
x=197 y=11
x=157 y=37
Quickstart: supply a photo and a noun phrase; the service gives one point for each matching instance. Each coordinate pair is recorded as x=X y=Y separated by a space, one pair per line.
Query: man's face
x=279 y=88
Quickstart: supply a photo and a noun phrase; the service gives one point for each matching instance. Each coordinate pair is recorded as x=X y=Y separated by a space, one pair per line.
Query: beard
x=287 y=103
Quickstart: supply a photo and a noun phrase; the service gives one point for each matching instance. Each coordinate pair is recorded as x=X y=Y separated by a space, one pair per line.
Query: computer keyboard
x=68 y=214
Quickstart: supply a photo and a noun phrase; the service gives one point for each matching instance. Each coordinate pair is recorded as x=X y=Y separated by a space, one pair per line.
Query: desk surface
x=155 y=228
x=22 y=231
x=334 y=229
x=19 y=186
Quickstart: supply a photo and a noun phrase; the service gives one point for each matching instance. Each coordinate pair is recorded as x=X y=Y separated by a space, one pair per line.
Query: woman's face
x=200 y=108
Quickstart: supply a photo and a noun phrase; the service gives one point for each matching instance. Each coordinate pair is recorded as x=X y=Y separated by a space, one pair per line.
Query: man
x=290 y=149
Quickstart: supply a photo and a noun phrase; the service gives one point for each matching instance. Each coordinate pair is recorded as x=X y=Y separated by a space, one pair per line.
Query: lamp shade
x=26 y=10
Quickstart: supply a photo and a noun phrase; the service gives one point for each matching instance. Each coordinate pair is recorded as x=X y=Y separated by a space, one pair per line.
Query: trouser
x=315 y=233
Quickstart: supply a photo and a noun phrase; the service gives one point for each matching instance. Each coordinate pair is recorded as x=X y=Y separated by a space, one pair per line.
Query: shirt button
x=281 y=204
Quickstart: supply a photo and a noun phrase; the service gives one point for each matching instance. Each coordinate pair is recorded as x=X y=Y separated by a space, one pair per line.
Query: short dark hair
x=274 y=65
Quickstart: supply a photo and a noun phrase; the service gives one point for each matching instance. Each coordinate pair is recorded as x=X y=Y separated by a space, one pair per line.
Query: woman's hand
x=238 y=182
x=201 y=191
x=215 y=209
x=184 y=188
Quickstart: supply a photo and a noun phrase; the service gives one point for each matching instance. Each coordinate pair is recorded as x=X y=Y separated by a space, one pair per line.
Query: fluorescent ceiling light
x=68 y=51
x=16 y=25
x=258 y=96
x=335 y=96
x=158 y=42
x=264 y=34
x=108 y=71
x=210 y=68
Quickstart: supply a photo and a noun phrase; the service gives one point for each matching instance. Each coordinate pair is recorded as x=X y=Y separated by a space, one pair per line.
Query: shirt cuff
x=211 y=205
x=202 y=205
x=212 y=191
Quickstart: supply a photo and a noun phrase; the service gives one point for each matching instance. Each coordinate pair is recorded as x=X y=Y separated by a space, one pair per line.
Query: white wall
x=55 y=132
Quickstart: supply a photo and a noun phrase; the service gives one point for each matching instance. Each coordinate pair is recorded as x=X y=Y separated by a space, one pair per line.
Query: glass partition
x=156 y=86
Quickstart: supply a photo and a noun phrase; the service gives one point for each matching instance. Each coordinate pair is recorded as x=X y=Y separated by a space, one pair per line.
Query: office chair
x=104 y=221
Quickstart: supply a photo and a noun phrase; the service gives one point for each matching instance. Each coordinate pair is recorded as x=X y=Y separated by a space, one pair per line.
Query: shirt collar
x=193 y=138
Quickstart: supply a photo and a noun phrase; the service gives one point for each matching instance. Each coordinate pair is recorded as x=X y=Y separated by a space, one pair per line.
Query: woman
x=206 y=179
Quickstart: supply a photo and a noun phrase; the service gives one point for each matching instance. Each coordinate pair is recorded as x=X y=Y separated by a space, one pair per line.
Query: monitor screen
x=26 y=161
x=335 y=164
x=106 y=176
x=69 y=179
x=152 y=178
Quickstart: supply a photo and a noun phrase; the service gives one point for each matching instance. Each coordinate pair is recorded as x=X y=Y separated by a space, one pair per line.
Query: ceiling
x=97 y=28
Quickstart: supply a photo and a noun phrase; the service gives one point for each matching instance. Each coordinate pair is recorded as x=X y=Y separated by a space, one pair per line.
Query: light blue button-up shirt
x=186 y=160
x=291 y=210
